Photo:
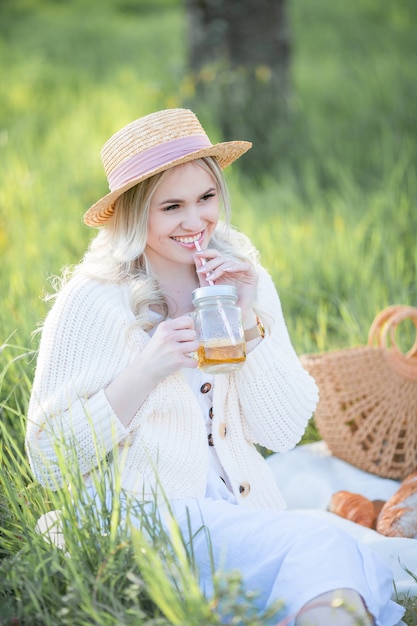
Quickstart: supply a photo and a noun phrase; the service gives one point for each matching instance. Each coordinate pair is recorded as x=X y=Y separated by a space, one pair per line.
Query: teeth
x=187 y=239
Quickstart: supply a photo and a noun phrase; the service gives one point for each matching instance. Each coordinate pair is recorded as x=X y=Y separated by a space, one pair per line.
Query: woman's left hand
x=212 y=266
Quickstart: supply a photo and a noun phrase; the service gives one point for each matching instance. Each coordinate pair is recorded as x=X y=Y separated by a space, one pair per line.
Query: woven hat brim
x=227 y=152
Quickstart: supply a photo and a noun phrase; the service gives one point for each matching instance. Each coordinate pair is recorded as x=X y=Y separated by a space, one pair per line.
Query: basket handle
x=384 y=326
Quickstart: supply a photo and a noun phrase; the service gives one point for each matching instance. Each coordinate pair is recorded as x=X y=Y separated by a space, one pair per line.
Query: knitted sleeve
x=83 y=347
x=276 y=395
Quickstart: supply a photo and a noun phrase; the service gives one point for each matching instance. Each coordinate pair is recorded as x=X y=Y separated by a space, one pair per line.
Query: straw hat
x=151 y=145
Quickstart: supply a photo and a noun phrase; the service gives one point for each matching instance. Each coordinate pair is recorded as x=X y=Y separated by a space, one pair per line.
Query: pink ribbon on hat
x=153 y=158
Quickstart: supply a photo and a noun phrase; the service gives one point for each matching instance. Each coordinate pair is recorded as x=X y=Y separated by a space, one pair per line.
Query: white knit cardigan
x=87 y=341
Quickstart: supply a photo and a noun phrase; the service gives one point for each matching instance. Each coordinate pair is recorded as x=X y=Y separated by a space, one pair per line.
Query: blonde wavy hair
x=117 y=253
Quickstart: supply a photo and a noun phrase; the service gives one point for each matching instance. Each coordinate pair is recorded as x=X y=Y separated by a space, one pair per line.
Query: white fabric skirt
x=285 y=555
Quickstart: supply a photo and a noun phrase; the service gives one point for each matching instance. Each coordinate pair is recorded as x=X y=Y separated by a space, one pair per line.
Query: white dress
x=282 y=555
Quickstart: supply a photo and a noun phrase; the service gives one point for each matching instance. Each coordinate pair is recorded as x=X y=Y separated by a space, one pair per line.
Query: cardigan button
x=205 y=387
x=210 y=440
x=244 y=489
x=223 y=430
x=211 y=413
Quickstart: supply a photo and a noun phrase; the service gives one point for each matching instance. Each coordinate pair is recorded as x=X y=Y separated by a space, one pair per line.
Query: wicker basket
x=367 y=412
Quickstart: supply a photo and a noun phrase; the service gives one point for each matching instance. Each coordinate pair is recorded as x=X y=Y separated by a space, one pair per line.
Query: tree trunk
x=239 y=52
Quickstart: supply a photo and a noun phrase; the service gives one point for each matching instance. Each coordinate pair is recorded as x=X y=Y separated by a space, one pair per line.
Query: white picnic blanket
x=308 y=475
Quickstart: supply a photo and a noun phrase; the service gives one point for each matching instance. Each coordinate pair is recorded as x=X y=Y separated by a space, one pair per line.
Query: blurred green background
x=335 y=219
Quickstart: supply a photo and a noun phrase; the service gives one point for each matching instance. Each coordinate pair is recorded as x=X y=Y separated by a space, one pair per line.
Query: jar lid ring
x=214 y=291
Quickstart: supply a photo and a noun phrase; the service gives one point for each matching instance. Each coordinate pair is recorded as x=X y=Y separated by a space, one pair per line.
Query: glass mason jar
x=219 y=327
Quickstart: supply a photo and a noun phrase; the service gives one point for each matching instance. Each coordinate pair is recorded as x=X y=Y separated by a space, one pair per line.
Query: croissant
x=398 y=516
x=354 y=507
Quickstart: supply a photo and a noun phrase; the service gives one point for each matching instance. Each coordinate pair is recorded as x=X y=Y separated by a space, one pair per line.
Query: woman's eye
x=208 y=195
x=171 y=207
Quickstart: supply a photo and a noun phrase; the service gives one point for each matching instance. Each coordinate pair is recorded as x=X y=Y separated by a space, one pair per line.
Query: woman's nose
x=192 y=220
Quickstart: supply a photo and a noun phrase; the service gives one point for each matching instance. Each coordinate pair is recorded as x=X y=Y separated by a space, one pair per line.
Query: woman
x=116 y=372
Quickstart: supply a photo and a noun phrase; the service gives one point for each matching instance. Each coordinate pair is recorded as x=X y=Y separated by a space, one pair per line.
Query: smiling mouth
x=188 y=240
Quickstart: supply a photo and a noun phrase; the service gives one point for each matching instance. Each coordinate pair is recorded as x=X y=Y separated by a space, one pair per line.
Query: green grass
x=335 y=220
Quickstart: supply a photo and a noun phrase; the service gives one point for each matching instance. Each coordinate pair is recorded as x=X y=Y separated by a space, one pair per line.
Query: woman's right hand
x=169 y=349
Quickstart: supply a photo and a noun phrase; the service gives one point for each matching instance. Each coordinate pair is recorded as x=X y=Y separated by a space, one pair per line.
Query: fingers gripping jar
x=219 y=327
